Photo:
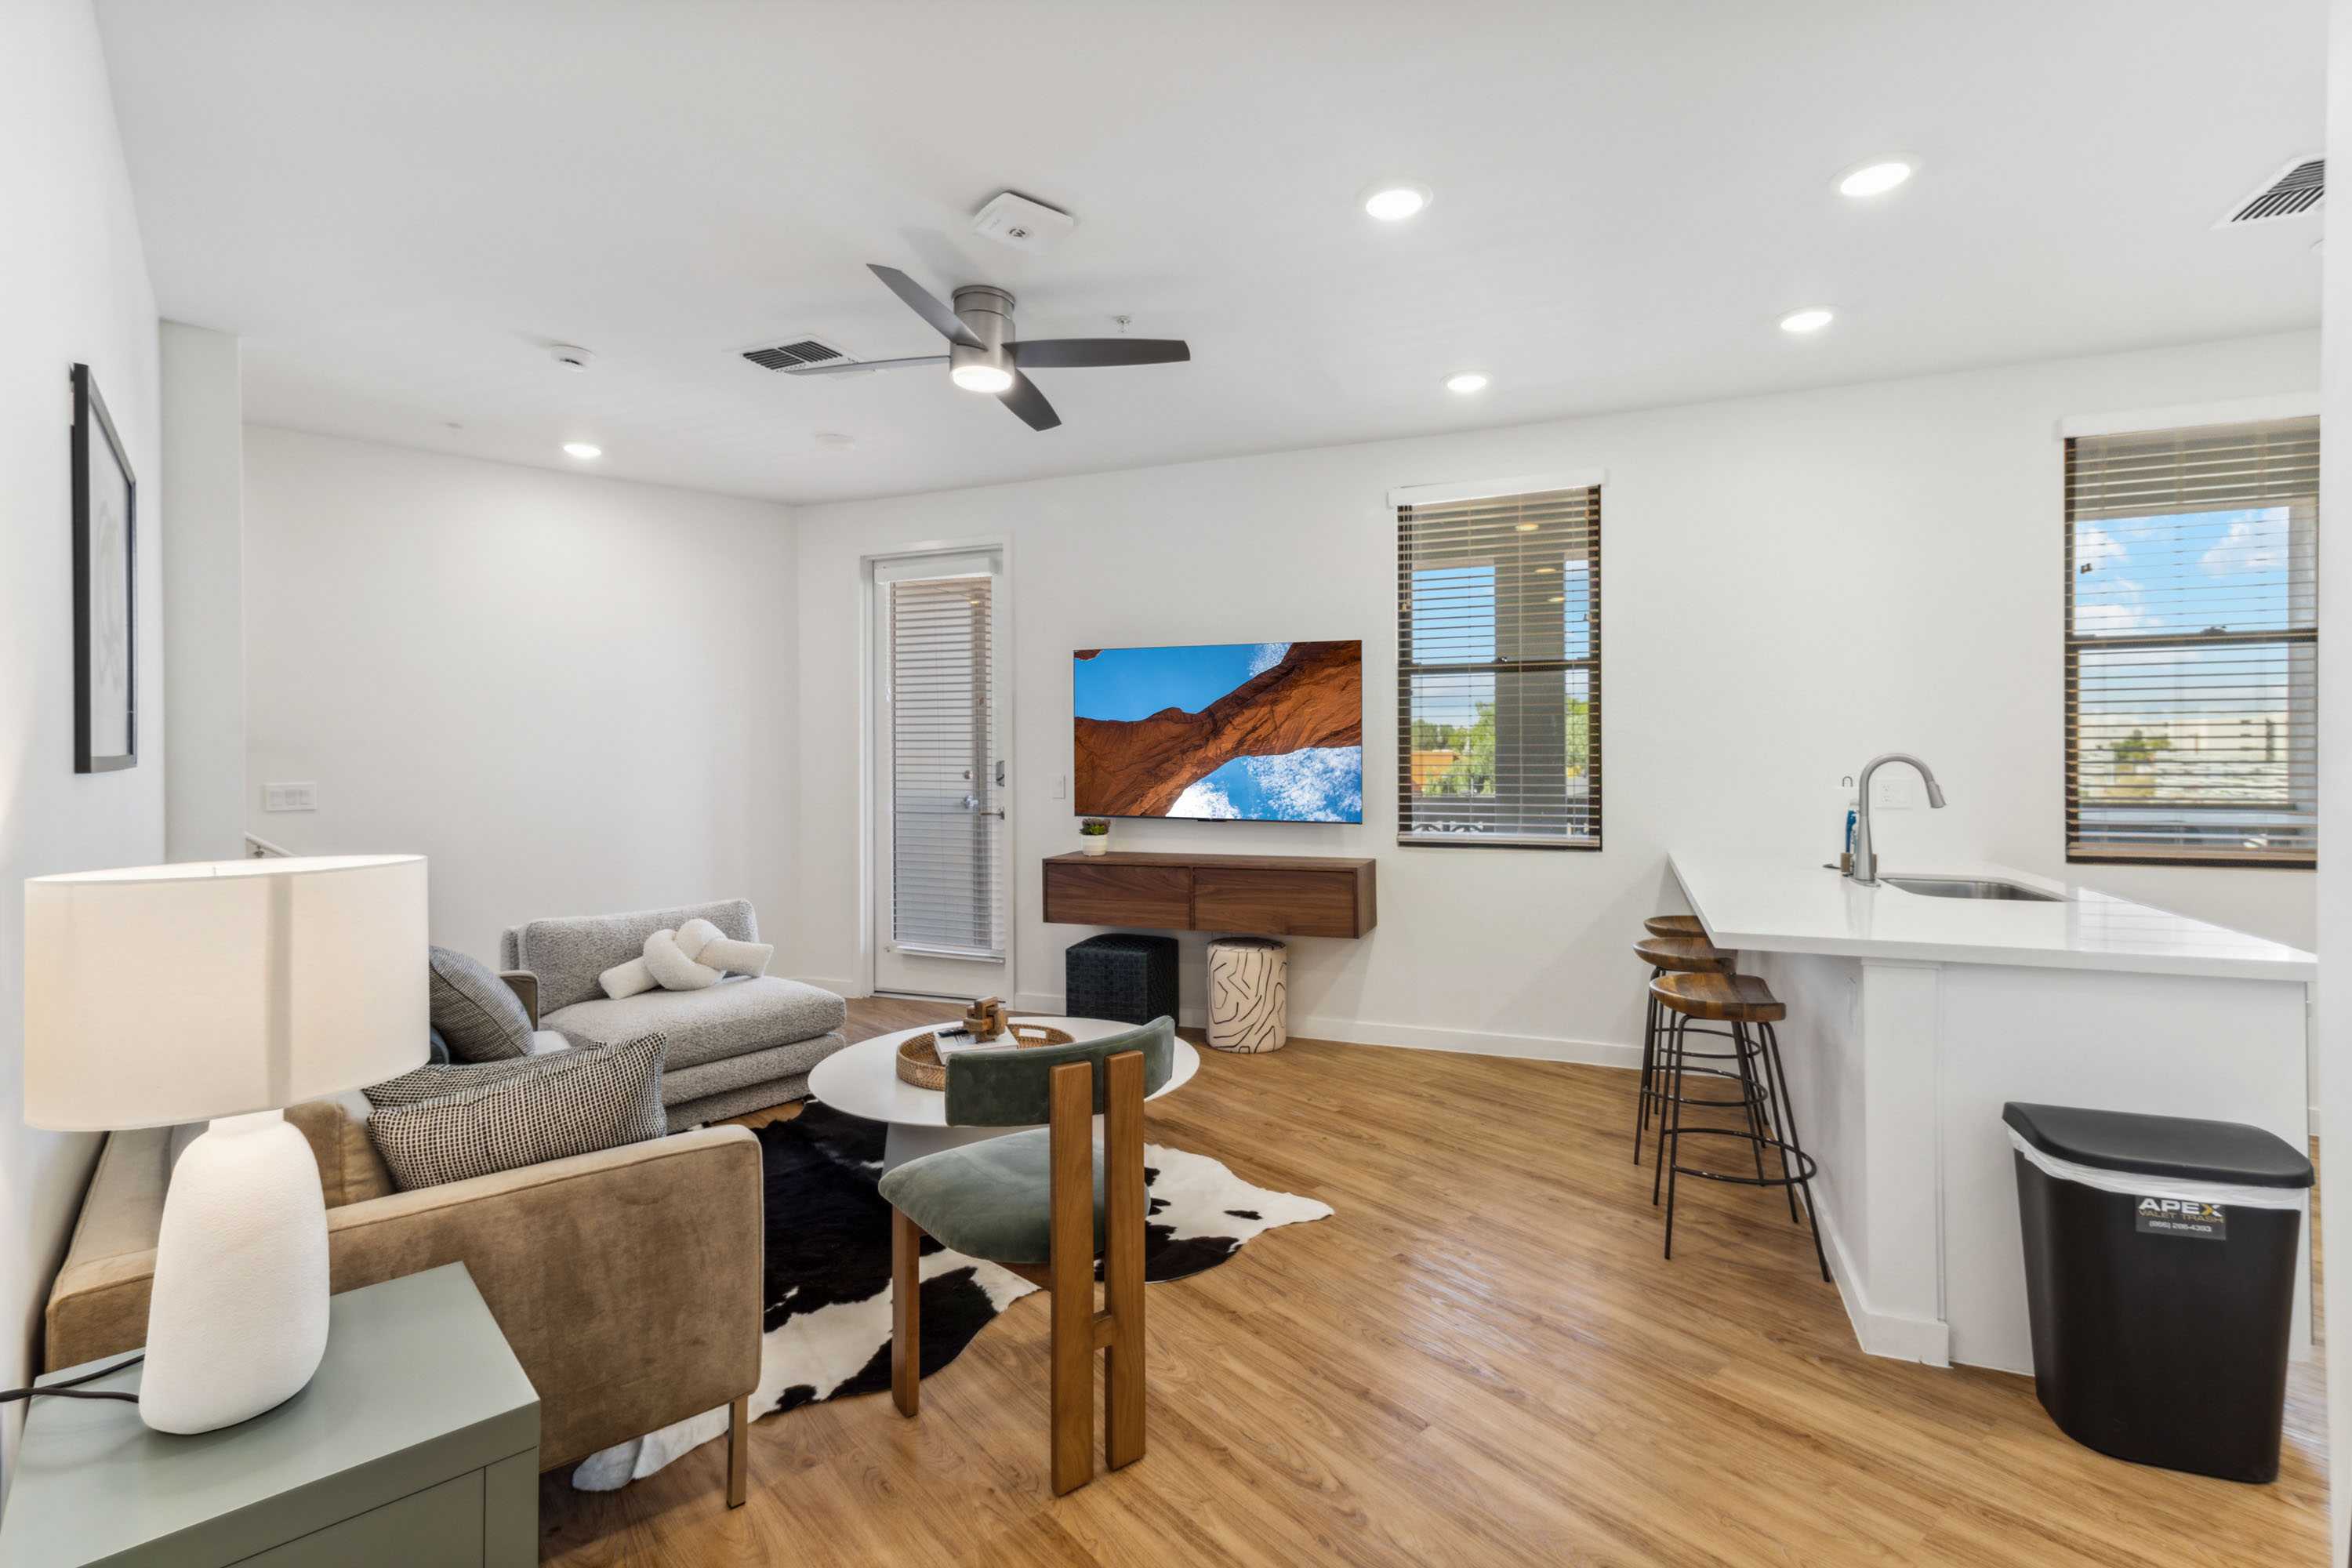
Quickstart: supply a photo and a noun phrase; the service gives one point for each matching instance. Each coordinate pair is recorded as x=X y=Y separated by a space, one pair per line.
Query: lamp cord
x=71 y=1387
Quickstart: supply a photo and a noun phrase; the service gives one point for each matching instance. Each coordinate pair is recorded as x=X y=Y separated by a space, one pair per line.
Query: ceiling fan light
x=981 y=378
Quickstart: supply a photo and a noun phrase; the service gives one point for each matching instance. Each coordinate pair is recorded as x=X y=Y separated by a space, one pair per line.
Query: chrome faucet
x=1864 y=869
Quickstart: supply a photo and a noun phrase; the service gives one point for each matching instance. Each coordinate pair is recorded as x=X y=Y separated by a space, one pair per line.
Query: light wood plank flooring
x=1481 y=1360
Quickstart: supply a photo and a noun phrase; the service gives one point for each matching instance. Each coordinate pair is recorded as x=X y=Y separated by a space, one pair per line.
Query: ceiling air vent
x=793 y=355
x=2297 y=188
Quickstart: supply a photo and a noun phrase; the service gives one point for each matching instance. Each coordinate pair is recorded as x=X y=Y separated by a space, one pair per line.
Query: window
x=2192 y=633
x=1498 y=666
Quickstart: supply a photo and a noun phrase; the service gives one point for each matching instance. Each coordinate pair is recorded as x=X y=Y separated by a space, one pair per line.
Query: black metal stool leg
x=1757 y=1122
x=1779 y=1070
x=1751 y=1098
x=1670 y=1140
x=1649 y=1066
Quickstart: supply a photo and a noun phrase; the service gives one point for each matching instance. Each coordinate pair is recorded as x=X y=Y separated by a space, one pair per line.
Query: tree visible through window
x=1498 y=680
x=2192 y=635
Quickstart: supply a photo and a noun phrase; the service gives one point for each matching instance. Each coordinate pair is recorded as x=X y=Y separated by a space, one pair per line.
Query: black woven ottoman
x=1121 y=974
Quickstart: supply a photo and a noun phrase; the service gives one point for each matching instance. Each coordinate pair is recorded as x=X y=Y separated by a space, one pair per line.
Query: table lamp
x=224 y=991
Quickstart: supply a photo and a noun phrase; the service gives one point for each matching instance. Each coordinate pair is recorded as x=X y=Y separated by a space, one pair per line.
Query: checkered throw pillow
x=572 y=1102
x=439 y=1081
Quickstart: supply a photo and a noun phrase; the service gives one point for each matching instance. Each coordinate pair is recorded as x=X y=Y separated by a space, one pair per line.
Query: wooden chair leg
x=1123 y=1222
x=738 y=1451
x=906 y=1314
x=1072 y=1266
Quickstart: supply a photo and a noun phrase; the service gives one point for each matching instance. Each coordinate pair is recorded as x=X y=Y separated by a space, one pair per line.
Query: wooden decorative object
x=985 y=1017
x=1249 y=994
x=919 y=1058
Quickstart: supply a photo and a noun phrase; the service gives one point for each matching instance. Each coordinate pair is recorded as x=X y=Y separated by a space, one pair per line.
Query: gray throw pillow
x=439 y=1049
x=572 y=1102
x=475 y=1012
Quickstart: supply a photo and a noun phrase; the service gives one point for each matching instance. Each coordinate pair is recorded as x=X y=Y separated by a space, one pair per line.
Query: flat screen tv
x=1270 y=731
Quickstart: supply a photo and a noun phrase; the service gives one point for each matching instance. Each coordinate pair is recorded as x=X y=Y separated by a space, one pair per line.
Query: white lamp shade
x=159 y=994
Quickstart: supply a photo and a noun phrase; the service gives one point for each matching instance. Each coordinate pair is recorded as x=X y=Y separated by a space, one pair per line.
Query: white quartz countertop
x=1793 y=904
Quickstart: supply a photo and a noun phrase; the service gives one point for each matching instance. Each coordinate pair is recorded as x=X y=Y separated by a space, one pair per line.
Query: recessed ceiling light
x=1876 y=177
x=582 y=450
x=1811 y=319
x=980 y=378
x=1469 y=381
x=1395 y=202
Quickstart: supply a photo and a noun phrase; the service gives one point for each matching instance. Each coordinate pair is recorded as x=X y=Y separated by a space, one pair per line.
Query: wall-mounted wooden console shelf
x=1271 y=895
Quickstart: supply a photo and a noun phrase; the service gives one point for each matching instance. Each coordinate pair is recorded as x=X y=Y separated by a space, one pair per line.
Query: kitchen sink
x=1972 y=888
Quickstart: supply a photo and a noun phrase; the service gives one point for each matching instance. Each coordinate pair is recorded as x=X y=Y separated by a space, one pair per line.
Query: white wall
x=574 y=695
x=2333 y=1036
x=73 y=287
x=1791 y=583
x=204 y=613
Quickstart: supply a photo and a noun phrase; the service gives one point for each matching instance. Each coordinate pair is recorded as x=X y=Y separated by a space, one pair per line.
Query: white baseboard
x=838 y=987
x=1888 y=1334
x=1410 y=1037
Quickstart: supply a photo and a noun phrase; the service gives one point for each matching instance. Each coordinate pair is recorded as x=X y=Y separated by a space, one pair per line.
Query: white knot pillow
x=690 y=958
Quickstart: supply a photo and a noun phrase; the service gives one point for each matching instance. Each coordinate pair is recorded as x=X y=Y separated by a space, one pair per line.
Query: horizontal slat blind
x=2192 y=626
x=945 y=825
x=1498 y=673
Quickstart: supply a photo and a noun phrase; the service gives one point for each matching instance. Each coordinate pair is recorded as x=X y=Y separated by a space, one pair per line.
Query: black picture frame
x=106 y=642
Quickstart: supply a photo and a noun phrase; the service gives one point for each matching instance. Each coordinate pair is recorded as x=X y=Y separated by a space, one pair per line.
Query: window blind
x=1498 y=671
x=2192 y=628
x=946 y=818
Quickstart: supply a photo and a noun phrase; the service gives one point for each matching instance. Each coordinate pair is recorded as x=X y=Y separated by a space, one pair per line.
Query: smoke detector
x=798 y=352
x=2296 y=189
x=1013 y=219
x=570 y=356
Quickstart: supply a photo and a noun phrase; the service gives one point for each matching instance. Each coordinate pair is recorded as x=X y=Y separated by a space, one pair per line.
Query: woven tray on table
x=919 y=1058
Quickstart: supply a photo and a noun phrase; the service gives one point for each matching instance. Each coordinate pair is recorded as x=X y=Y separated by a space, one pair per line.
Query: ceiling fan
x=984 y=356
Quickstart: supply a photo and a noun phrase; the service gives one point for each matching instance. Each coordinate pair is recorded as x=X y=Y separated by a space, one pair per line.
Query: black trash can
x=2159 y=1272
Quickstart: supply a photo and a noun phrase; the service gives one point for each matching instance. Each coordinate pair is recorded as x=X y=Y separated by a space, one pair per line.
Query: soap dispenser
x=1852 y=811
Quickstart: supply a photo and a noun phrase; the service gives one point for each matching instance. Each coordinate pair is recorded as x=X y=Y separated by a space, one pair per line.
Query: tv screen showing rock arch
x=1270 y=731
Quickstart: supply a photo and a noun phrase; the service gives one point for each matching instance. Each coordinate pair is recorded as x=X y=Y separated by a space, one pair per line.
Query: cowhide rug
x=828 y=1272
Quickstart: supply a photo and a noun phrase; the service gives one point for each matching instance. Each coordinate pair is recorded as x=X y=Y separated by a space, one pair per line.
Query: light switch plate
x=1891 y=792
x=1061 y=786
x=289 y=797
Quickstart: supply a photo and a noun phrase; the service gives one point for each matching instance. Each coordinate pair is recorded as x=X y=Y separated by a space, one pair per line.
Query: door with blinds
x=940 y=876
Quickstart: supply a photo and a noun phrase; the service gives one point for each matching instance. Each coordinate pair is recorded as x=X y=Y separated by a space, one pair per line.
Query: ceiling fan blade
x=944 y=321
x=1057 y=354
x=851 y=367
x=1024 y=398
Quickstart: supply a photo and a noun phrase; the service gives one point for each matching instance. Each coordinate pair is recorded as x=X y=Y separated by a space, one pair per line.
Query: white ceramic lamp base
x=238 y=1319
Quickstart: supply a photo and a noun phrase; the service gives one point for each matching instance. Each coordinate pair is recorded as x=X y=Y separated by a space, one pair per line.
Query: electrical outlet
x=1891 y=792
x=289 y=797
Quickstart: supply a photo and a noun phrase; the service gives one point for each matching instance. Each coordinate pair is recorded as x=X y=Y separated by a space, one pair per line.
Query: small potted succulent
x=1094 y=834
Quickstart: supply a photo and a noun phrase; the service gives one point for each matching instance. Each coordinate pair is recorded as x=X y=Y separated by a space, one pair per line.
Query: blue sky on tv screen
x=1317 y=785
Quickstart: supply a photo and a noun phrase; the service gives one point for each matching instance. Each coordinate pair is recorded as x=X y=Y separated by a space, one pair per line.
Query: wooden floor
x=1481 y=1360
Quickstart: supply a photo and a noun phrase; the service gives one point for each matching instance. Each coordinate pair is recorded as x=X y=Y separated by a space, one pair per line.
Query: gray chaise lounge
x=740 y=1046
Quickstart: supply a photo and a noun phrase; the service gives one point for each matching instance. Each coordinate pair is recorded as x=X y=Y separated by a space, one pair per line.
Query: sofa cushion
x=739 y=1013
x=570 y=954
x=350 y=1169
x=474 y=1011
x=573 y=1104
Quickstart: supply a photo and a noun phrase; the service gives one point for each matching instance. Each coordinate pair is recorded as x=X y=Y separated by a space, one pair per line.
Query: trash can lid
x=2182 y=1147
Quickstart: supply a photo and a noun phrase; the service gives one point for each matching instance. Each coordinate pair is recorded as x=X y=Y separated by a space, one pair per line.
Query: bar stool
x=1748 y=1005
x=1674 y=925
x=1670 y=955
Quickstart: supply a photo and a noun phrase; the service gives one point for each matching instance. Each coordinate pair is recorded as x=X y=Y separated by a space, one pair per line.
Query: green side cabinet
x=416 y=1443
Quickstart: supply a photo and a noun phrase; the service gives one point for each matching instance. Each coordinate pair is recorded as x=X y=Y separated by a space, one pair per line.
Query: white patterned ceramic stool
x=1249 y=994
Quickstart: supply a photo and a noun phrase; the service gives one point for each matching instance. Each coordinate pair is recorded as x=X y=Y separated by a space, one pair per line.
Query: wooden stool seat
x=1726 y=998
x=1674 y=925
x=1683 y=955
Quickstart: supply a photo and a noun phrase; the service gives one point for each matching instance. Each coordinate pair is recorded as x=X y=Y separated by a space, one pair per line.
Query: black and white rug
x=828 y=1272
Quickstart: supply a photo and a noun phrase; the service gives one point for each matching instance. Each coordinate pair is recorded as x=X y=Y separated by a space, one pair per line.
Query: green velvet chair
x=1044 y=1203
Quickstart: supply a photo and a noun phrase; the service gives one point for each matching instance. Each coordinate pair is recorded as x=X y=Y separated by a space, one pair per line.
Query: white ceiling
x=399 y=206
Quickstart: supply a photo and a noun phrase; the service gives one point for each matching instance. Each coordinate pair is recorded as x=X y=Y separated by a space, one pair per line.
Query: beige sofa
x=628 y=1282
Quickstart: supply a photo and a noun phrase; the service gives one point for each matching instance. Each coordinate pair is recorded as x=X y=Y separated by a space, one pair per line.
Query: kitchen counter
x=1913 y=1019
x=1789 y=904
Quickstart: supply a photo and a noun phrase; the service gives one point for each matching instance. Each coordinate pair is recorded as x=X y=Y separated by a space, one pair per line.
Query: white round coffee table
x=863 y=1080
